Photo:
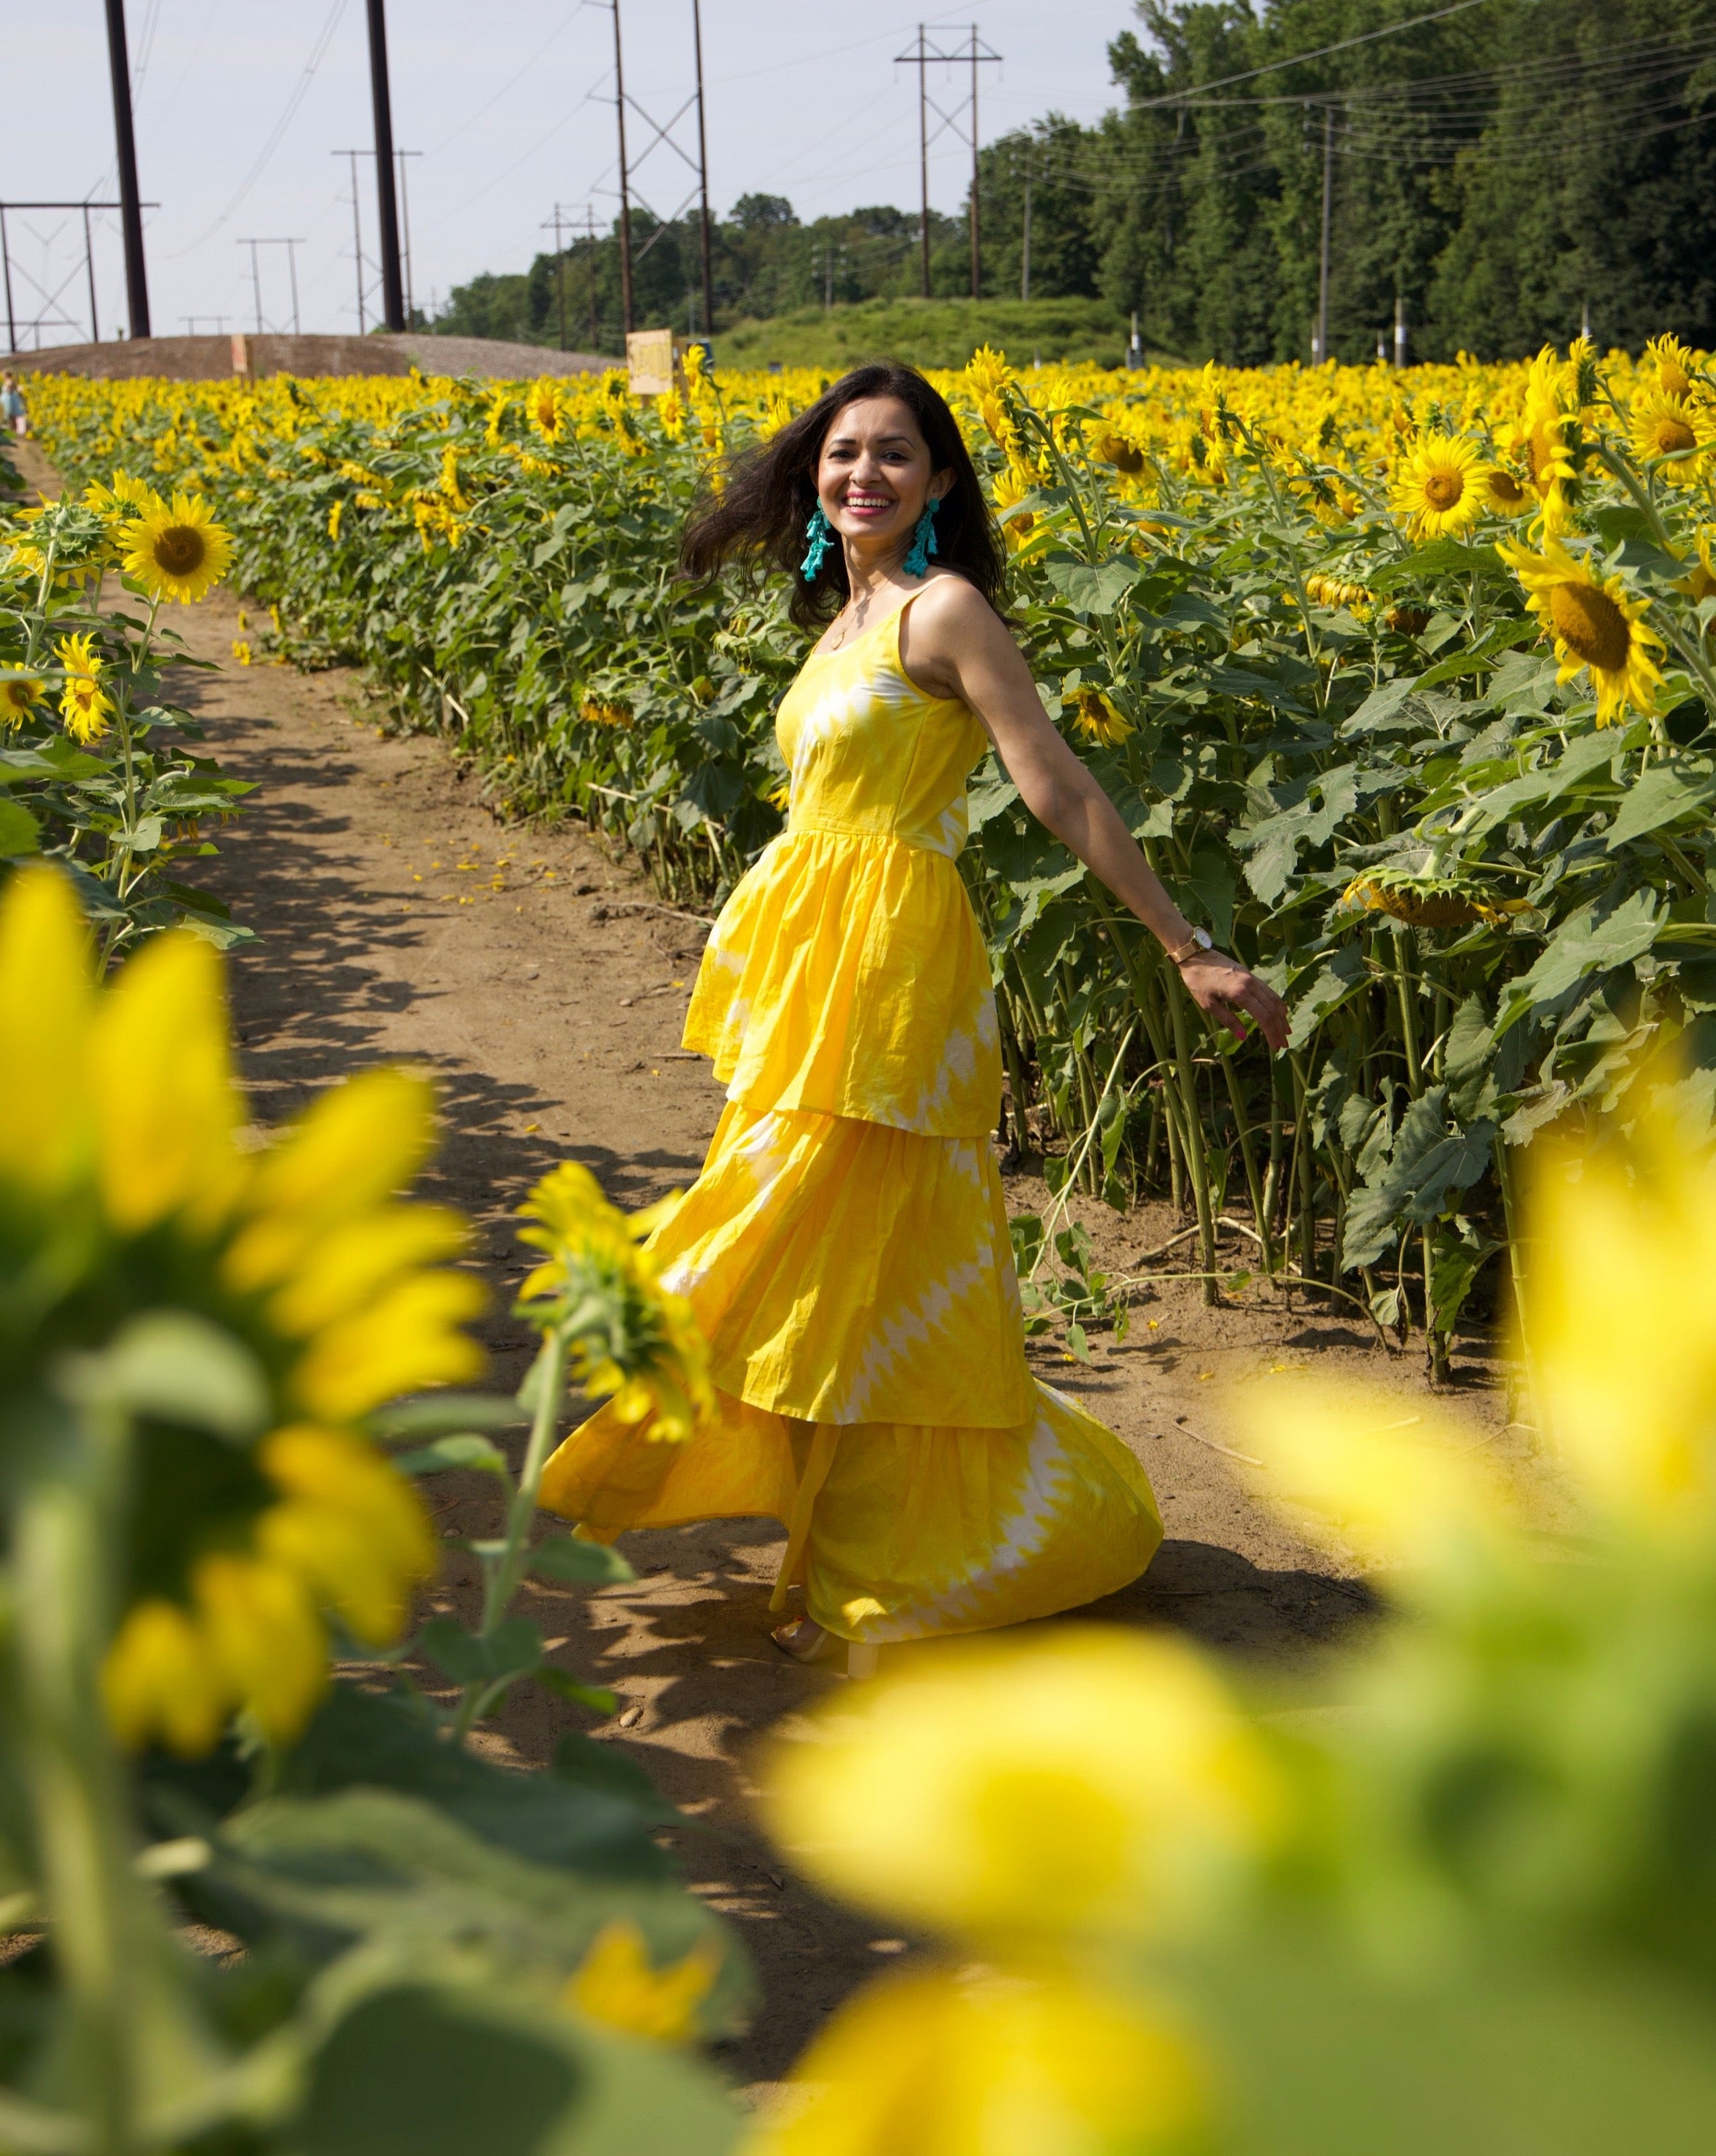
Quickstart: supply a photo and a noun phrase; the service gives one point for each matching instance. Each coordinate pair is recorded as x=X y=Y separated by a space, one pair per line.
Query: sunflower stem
x=543 y=1387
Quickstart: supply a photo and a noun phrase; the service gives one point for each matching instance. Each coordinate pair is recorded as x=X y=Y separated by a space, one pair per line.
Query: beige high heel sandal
x=804 y=1641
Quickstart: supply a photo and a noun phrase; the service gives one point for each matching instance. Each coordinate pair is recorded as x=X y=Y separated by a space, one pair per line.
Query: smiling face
x=876 y=473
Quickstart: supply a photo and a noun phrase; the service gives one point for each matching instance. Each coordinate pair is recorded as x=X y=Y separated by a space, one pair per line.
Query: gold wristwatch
x=1200 y=939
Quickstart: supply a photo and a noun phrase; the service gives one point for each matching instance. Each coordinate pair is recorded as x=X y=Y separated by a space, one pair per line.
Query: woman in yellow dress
x=845 y=1248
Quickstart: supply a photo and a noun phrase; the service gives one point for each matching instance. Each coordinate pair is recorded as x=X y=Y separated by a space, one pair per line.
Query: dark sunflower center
x=1673 y=377
x=1443 y=488
x=1591 y=626
x=1507 y=489
x=180 y=549
x=1673 y=435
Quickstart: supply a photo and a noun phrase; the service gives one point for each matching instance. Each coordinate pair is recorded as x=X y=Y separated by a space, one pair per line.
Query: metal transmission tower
x=662 y=136
x=291 y=247
x=357 y=253
x=386 y=202
x=921 y=56
x=56 y=317
x=136 y=280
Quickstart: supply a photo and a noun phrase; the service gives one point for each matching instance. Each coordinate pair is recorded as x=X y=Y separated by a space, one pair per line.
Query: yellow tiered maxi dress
x=845 y=1247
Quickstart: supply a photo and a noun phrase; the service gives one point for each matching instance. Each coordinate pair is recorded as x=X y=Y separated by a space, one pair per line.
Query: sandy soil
x=538 y=980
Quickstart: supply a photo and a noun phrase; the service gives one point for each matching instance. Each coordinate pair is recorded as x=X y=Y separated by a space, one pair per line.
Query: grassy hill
x=928 y=333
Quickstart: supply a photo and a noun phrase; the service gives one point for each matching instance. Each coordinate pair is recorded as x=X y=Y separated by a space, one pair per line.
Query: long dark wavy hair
x=761 y=514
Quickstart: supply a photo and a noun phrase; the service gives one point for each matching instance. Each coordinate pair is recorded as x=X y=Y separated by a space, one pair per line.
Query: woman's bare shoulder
x=950 y=609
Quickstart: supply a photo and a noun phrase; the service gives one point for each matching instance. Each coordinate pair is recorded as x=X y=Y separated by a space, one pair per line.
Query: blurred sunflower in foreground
x=1465 y=1885
x=252 y=1307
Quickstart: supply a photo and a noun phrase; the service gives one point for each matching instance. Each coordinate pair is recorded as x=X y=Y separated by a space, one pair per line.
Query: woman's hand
x=1221 y=987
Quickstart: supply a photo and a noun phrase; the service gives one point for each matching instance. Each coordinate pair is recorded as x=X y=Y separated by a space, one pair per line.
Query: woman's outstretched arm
x=952 y=644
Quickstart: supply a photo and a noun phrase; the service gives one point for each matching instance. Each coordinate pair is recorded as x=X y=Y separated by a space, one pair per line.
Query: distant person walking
x=12 y=408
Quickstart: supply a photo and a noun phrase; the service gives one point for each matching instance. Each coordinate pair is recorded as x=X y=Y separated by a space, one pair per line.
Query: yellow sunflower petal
x=47 y=997
x=929 y=2063
x=266 y=1638
x=1085 y=1781
x=162 y=1078
x=357 y=1144
x=354 y=1260
x=407 y=1339
x=618 y=1984
x=160 y=1680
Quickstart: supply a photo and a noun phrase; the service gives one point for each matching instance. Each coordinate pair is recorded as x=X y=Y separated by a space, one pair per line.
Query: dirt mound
x=213 y=358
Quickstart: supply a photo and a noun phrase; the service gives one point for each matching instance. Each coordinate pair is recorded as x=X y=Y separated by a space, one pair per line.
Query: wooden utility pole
x=703 y=176
x=1322 y=261
x=976 y=237
x=625 y=213
x=136 y=280
x=386 y=195
x=1024 y=252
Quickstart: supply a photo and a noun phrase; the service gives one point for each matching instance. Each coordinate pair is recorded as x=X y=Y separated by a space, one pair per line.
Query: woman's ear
x=941 y=486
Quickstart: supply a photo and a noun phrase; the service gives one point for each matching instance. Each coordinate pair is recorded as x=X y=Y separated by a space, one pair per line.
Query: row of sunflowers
x=1451 y=1886
x=1403 y=681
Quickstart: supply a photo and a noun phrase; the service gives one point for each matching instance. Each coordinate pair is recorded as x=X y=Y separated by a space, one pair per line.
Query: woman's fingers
x=1224 y=990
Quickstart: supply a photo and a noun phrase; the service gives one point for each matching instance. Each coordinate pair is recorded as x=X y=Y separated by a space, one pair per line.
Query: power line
x=300 y=91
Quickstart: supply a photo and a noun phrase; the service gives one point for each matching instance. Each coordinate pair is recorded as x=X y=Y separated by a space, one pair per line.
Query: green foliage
x=1500 y=172
x=125 y=812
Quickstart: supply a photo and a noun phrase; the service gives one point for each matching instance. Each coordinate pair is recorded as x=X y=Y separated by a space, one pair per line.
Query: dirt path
x=540 y=983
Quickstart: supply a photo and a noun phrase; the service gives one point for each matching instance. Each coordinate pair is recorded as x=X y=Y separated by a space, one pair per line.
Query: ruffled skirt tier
x=847 y=975
x=856 y=1286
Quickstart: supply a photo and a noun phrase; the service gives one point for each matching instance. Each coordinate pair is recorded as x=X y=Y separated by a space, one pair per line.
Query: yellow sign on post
x=649 y=362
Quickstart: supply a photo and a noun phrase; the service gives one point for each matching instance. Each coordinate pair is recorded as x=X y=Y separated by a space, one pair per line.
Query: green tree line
x=1510 y=172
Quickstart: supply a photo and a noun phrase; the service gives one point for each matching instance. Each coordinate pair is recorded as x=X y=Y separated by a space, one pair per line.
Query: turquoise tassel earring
x=923 y=542
x=821 y=535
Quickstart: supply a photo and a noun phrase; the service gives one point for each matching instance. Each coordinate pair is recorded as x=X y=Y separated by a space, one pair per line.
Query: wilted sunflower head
x=1440 y=486
x=1595 y=624
x=263 y=1303
x=177 y=550
x=1099 y=718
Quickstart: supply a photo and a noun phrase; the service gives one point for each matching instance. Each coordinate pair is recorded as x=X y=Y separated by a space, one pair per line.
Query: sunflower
x=125 y=498
x=1503 y=493
x=546 y=408
x=1438 y=487
x=1667 y=428
x=1673 y=363
x=84 y=704
x=1701 y=583
x=1426 y=901
x=1595 y=626
x=19 y=695
x=175 y=551
x=1099 y=719
x=292 y=1274
x=1010 y=486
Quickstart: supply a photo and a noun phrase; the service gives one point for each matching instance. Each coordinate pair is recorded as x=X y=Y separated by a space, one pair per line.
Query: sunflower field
x=1403 y=681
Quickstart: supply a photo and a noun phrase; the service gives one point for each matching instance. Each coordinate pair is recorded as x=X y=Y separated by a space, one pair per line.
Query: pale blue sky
x=511 y=103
